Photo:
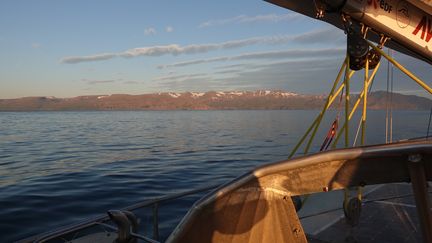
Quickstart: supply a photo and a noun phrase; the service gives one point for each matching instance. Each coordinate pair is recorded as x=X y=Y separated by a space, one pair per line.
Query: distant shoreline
x=188 y=101
x=316 y=109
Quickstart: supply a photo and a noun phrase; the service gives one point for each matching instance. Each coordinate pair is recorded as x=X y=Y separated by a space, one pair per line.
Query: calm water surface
x=57 y=168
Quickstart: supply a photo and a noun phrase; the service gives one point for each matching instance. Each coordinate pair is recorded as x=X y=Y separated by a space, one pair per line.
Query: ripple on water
x=60 y=167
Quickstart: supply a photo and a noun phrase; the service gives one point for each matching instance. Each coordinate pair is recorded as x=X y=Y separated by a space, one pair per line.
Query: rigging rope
x=334 y=127
x=430 y=116
x=327 y=141
x=389 y=101
x=360 y=120
x=357 y=133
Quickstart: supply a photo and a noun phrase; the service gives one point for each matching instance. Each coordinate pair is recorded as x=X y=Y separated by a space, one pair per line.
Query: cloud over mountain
x=252 y=19
x=175 y=49
x=150 y=31
x=280 y=54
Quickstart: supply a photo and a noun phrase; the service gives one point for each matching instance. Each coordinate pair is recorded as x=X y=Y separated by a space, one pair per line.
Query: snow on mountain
x=196 y=94
x=221 y=100
x=174 y=95
x=232 y=94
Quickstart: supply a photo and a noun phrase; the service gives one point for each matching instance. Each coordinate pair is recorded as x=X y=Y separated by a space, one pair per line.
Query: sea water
x=57 y=168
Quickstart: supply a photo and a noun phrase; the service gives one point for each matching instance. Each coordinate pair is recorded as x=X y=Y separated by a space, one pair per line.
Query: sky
x=71 y=48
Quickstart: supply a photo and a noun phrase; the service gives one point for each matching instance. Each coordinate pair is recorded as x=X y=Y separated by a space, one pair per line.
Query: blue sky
x=70 y=48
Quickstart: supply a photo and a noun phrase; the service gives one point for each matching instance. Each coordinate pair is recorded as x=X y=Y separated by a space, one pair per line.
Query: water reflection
x=57 y=167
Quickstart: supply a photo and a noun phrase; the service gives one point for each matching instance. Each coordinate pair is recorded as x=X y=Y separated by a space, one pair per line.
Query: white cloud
x=131 y=82
x=299 y=75
x=296 y=75
x=169 y=29
x=325 y=35
x=188 y=84
x=233 y=66
x=251 y=19
x=98 y=81
x=35 y=45
x=175 y=49
x=280 y=54
x=150 y=31
x=179 y=77
x=78 y=59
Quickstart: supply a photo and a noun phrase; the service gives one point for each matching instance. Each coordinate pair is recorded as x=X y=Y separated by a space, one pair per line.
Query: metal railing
x=102 y=219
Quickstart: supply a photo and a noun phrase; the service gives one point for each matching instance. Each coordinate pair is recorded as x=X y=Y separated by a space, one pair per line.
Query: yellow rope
x=365 y=89
x=328 y=103
x=355 y=106
x=402 y=68
x=347 y=103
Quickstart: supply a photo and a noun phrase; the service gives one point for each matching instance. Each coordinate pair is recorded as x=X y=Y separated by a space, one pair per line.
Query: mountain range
x=212 y=100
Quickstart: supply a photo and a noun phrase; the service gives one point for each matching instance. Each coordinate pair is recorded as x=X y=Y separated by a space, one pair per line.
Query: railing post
x=421 y=195
x=155 y=221
x=363 y=121
x=347 y=101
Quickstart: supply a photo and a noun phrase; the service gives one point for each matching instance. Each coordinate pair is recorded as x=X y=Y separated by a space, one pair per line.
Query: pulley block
x=357 y=63
x=374 y=58
x=357 y=46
